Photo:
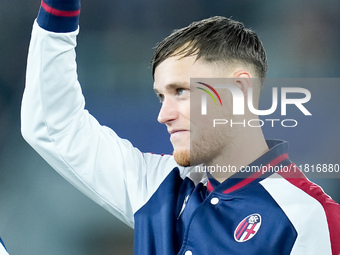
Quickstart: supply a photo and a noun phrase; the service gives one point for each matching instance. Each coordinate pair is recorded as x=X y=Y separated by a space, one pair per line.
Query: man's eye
x=160 y=98
x=180 y=91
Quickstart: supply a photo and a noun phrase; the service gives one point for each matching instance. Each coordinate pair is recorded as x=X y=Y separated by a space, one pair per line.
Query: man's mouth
x=177 y=131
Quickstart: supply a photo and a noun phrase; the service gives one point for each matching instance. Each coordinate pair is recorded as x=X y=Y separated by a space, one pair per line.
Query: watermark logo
x=241 y=101
x=238 y=100
x=204 y=96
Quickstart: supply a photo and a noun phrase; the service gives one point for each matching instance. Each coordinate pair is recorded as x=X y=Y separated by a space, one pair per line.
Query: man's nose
x=168 y=111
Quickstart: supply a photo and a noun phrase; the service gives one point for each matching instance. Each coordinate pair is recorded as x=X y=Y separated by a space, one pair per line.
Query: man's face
x=172 y=86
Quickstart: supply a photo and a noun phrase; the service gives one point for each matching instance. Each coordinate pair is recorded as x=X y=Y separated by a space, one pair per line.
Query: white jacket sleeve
x=92 y=157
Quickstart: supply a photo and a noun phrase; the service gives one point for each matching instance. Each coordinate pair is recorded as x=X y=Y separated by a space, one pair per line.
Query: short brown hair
x=214 y=39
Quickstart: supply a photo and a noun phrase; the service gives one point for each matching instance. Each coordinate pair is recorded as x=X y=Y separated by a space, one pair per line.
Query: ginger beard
x=202 y=150
x=181 y=147
x=182 y=157
x=203 y=145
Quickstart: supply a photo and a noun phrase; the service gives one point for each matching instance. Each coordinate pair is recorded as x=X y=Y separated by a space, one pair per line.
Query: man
x=174 y=208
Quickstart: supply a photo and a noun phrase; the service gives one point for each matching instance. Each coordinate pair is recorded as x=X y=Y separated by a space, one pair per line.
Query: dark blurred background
x=40 y=213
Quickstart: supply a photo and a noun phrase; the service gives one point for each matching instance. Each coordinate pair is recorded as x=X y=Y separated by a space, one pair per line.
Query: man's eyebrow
x=173 y=86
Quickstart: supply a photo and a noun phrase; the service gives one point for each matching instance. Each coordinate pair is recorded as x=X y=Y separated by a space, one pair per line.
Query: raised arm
x=55 y=123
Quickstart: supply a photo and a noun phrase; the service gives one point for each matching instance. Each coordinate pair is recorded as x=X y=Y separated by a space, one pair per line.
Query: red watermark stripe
x=58 y=12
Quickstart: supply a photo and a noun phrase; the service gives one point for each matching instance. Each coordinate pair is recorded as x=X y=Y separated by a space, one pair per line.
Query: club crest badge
x=248 y=228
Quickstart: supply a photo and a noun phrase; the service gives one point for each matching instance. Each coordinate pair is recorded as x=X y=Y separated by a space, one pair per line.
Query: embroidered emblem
x=248 y=228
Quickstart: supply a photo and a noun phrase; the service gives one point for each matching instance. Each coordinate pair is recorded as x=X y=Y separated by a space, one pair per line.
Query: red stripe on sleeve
x=58 y=12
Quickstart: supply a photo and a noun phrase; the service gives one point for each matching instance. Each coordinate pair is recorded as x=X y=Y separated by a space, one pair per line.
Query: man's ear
x=243 y=81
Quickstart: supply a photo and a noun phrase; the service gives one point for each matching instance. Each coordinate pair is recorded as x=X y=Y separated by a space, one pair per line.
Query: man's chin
x=182 y=157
